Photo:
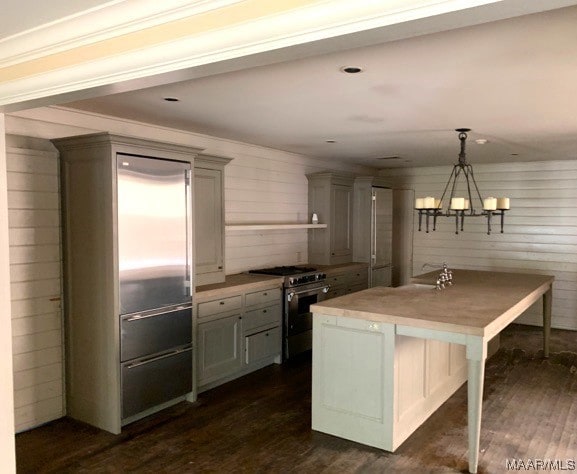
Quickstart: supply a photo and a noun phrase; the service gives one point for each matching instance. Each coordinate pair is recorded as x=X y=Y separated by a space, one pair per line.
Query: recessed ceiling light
x=351 y=69
x=481 y=141
x=330 y=141
x=171 y=99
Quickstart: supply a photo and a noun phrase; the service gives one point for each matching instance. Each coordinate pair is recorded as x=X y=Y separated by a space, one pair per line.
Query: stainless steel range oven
x=303 y=287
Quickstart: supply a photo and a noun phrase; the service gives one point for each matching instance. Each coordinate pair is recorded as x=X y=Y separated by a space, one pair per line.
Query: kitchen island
x=385 y=359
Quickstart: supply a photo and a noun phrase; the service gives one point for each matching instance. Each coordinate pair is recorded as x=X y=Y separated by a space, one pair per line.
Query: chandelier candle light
x=459 y=207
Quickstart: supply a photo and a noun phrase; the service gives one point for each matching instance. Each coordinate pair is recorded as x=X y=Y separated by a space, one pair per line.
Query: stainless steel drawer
x=222 y=305
x=256 y=318
x=148 y=333
x=272 y=295
x=151 y=381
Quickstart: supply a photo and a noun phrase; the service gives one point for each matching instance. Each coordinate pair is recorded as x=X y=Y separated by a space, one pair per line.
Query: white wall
x=540 y=229
x=35 y=273
x=7 y=448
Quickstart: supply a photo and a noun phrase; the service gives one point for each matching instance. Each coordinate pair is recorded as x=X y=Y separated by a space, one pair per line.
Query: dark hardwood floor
x=261 y=424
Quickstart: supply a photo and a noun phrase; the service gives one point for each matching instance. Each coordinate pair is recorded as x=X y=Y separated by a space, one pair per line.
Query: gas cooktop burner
x=283 y=271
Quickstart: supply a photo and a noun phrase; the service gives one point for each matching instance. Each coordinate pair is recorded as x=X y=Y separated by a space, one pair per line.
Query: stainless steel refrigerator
x=154 y=259
x=381 y=236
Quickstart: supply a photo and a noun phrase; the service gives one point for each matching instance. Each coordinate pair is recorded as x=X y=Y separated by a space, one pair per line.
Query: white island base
x=376 y=387
x=384 y=359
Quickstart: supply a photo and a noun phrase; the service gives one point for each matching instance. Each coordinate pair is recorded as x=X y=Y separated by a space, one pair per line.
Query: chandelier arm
x=476 y=187
x=446 y=186
x=468 y=170
x=455 y=179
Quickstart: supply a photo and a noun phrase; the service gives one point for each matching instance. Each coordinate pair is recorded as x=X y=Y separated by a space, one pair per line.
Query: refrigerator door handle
x=155 y=358
x=189 y=230
x=374 y=228
x=154 y=313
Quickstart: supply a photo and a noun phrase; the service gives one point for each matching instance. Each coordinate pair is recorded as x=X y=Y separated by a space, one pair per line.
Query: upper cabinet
x=331 y=198
x=209 y=218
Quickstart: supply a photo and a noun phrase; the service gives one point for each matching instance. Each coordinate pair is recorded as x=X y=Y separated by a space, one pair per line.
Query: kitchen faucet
x=445 y=278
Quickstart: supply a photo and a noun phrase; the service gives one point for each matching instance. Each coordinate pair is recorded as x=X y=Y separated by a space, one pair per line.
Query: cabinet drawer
x=335 y=292
x=219 y=306
x=256 y=318
x=355 y=288
x=359 y=277
x=338 y=279
x=272 y=295
x=152 y=381
x=147 y=334
x=262 y=345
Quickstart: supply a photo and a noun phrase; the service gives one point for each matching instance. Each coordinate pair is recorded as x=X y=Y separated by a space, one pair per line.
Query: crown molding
x=121 y=17
x=311 y=26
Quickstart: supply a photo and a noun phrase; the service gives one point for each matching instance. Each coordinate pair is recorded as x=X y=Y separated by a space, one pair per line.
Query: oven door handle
x=291 y=294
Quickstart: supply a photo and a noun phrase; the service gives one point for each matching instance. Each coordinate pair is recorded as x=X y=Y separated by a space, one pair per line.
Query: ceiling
x=15 y=19
x=511 y=81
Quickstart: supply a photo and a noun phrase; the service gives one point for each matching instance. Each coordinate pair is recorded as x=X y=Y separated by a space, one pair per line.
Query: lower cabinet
x=219 y=348
x=345 y=281
x=237 y=335
x=262 y=345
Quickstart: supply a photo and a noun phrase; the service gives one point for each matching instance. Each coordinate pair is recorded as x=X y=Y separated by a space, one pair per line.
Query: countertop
x=472 y=305
x=341 y=268
x=242 y=282
x=238 y=283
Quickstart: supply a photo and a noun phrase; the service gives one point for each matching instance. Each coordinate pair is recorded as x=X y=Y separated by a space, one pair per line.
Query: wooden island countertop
x=479 y=303
x=384 y=359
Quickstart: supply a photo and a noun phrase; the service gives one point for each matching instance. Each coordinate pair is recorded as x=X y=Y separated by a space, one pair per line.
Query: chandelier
x=459 y=207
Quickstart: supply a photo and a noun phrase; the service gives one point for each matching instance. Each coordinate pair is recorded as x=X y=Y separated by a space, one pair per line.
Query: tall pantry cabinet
x=209 y=218
x=331 y=198
x=97 y=379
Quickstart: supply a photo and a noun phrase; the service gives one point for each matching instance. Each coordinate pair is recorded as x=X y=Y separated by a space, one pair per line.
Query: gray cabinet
x=347 y=280
x=331 y=198
x=96 y=369
x=237 y=334
x=219 y=348
x=209 y=219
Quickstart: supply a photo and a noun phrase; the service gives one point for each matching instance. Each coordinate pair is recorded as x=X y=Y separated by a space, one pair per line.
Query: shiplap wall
x=266 y=190
x=540 y=229
x=35 y=274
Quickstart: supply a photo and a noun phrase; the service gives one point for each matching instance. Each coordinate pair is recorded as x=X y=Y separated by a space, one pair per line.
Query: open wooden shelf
x=232 y=227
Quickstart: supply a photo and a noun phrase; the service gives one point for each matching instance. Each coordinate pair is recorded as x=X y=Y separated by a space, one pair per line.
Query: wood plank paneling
x=36 y=282
x=540 y=229
x=267 y=190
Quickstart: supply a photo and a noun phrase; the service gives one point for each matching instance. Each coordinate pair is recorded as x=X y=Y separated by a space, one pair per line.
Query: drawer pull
x=222 y=302
x=265 y=294
x=264 y=310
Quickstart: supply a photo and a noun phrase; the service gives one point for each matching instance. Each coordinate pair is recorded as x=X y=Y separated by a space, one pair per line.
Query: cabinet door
x=219 y=348
x=208 y=229
x=341 y=232
x=263 y=344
